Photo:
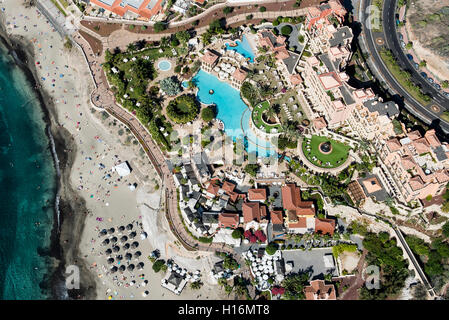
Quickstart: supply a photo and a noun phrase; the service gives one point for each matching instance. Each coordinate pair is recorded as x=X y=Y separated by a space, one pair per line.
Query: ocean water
x=234 y=113
x=27 y=181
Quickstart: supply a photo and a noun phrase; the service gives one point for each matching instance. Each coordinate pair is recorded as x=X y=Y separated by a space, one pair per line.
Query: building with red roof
x=142 y=8
x=257 y=195
x=209 y=60
x=325 y=226
x=254 y=215
x=228 y=220
x=293 y=204
x=319 y=290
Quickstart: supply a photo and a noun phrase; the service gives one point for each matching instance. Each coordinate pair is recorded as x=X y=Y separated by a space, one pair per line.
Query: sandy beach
x=93 y=196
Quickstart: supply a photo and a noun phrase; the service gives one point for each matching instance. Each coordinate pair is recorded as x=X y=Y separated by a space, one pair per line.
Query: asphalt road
x=392 y=41
x=425 y=113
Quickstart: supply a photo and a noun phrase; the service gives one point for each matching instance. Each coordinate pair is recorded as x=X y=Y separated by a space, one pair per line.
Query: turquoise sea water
x=234 y=113
x=244 y=48
x=27 y=179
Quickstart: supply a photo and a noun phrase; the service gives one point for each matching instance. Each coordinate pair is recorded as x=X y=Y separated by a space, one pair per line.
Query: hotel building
x=141 y=8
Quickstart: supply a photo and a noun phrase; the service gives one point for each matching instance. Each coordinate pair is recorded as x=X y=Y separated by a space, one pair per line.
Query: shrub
x=262 y=9
x=237 y=234
x=286 y=30
x=159 y=26
x=271 y=248
x=170 y=86
x=208 y=113
x=157 y=265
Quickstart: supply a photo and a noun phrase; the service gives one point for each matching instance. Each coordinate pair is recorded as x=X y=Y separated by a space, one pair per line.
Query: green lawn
x=257 y=118
x=56 y=3
x=336 y=158
x=403 y=77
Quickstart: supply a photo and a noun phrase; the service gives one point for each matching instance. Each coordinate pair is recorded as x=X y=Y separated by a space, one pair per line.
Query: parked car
x=430 y=80
x=416 y=65
x=401 y=37
x=402 y=44
x=424 y=75
x=437 y=86
x=446 y=94
x=409 y=56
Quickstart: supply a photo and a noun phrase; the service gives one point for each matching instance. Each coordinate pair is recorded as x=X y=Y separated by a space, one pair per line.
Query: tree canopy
x=183 y=109
x=208 y=113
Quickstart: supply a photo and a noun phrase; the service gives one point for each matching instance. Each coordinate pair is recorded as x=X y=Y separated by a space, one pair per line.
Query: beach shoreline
x=60 y=140
x=93 y=196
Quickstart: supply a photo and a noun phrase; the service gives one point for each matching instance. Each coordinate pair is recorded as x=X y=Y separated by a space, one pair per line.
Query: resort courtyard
x=324 y=152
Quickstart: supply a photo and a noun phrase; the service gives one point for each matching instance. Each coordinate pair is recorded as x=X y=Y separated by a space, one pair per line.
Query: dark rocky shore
x=69 y=208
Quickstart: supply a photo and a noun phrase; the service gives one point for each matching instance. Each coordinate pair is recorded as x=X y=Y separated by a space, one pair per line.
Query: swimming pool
x=234 y=113
x=185 y=84
x=244 y=48
x=164 y=65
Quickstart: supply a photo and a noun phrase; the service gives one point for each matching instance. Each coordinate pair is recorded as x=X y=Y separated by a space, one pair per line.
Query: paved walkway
x=122 y=37
x=102 y=98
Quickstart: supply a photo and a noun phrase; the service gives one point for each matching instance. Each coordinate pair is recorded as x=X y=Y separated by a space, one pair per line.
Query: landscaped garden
x=183 y=109
x=263 y=119
x=324 y=152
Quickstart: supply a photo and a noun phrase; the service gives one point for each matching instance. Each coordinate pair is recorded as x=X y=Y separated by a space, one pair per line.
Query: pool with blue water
x=231 y=109
x=244 y=48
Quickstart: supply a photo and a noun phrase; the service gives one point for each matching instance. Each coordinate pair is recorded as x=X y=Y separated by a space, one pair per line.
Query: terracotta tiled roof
x=372 y=185
x=213 y=188
x=416 y=183
x=325 y=226
x=295 y=79
x=432 y=138
x=239 y=75
x=291 y=199
x=393 y=145
x=233 y=196
x=209 y=57
x=319 y=123
x=228 y=187
x=421 y=145
x=300 y=223
x=329 y=80
x=413 y=135
x=276 y=217
x=228 y=220
x=257 y=194
x=408 y=162
x=442 y=175
x=253 y=211
x=319 y=290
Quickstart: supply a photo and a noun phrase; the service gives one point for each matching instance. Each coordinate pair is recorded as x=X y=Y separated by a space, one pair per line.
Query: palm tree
x=165 y=41
x=270 y=112
x=196 y=285
x=389 y=201
x=131 y=47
